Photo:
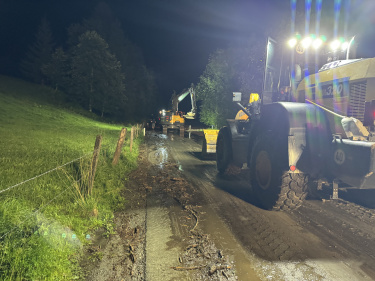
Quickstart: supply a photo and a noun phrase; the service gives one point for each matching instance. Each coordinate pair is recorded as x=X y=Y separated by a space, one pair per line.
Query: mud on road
x=158 y=236
x=184 y=222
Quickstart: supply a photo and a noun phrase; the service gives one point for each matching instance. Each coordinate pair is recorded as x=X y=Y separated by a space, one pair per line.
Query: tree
x=39 y=53
x=57 y=69
x=228 y=71
x=215 y=89
x=139 y=80
x=96 y=77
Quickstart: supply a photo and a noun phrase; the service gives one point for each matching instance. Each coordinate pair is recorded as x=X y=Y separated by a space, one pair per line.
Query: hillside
x=48 y=212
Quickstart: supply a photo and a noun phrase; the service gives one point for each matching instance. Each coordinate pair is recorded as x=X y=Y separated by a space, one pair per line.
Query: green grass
x=44 y=222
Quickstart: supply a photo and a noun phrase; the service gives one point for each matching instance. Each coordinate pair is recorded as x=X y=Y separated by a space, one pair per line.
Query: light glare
x=344 y=46
x=335 y=45
x=306 y=42
x=292 y=42
x=317 y=43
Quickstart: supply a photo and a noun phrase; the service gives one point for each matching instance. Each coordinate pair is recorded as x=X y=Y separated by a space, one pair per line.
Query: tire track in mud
x=345 y=227
x=295 y=241
x=263 y=238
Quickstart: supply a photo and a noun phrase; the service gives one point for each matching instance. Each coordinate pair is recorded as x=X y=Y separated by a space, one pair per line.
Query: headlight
x=335 y=45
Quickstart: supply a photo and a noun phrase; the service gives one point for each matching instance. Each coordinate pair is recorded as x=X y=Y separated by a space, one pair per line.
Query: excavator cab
x=175 y=119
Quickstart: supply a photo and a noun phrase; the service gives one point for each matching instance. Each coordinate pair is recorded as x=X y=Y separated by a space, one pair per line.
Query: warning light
x=292 y=168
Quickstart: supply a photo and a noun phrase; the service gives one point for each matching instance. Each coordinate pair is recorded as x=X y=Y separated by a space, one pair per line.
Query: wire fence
x=45 y=173
x=35 y=212
x=135 y=132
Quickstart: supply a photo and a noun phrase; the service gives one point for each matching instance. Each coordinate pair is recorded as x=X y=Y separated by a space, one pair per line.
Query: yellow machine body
x=209 y=145
x=341 y=87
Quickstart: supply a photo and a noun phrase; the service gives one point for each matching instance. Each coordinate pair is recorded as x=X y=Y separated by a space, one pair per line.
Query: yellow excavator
x=304 y=127
x=175 y=119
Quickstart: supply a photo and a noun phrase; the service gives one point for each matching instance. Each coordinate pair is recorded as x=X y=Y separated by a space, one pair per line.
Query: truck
x=175 y=119
x=304 y=130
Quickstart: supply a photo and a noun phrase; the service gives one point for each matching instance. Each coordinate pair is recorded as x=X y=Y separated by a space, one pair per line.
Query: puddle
x=158 y=157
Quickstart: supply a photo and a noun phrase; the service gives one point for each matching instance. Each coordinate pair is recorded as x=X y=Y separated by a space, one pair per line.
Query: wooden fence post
x=94 y=163
x=131 y=138
x=120 y=143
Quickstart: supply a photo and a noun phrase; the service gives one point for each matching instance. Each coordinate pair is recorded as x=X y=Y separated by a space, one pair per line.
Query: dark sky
x=175 y=36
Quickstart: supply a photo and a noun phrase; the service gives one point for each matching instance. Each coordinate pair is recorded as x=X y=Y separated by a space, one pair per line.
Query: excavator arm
x=179 y=98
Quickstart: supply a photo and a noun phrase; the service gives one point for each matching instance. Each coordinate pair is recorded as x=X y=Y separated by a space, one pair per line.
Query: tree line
x=97 y=67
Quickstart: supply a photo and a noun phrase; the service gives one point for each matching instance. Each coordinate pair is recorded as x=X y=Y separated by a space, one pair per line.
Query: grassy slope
x=44 y=222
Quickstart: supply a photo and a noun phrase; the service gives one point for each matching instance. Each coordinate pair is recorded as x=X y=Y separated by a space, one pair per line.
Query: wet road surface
x=322 y=240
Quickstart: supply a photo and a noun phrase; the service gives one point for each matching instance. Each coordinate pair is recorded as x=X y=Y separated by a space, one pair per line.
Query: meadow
x=47 y=212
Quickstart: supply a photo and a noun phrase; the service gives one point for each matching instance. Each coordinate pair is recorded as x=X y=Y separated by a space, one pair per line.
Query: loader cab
x=286 y=67
x=282 y=74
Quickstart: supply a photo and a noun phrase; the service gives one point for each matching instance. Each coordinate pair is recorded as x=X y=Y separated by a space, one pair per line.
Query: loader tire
x=223 y=150
x=274 y=186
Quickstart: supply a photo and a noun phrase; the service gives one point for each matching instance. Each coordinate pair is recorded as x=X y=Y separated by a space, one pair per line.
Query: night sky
x=175 y=36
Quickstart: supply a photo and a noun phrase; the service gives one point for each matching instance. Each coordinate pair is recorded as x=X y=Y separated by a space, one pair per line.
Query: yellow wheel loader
x=304 y=127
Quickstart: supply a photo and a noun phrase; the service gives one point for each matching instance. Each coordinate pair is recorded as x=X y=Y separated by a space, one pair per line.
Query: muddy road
x=189 y=223
x=323 y=240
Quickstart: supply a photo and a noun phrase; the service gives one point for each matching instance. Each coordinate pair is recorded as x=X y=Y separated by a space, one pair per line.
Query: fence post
x=131 y=138
x=120 y=142
x=144 y=132
x=94 y=163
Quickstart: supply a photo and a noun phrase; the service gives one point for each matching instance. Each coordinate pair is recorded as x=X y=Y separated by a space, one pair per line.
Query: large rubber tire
x=223 y=150
x=275 y=188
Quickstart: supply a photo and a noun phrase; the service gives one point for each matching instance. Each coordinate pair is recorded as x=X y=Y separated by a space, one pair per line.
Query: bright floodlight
x=344 y=46
x=317 y=43
x=306 y=42
x=335 y=45
x=292 y=42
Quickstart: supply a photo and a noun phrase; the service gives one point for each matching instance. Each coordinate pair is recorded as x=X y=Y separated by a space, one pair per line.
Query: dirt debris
x=123 y=255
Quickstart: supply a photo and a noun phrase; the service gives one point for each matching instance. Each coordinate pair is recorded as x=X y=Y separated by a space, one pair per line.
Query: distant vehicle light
x=317 y=43
x=306 y=42
x=292 y=42
x=335 y=45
